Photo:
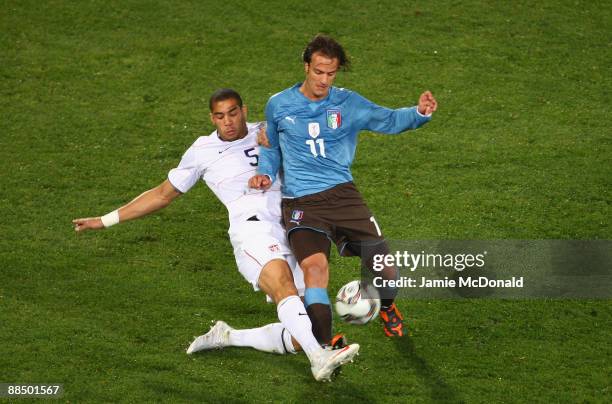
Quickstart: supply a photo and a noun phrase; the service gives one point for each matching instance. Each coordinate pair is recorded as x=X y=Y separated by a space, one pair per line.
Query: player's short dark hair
x=329 y=47
x=222 y=95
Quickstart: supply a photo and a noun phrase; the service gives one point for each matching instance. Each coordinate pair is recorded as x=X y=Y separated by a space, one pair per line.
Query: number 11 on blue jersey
x=313 y=148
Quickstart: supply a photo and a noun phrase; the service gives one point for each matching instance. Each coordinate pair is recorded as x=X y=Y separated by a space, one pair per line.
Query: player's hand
x=260 y=182
x=262 y=137
x=427 y=103
x=89 y=223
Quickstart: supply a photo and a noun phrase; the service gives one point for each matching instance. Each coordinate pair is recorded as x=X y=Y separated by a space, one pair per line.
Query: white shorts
x=256 y=243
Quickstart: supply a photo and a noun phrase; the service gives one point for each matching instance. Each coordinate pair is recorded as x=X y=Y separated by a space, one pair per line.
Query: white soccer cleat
x=328 y=360
x=216 y=338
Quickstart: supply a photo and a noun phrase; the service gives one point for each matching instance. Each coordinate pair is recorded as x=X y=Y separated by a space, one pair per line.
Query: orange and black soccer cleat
x=392 y=321
x=339 y=341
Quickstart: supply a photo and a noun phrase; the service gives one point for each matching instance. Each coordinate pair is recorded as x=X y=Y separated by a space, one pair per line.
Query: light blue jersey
x=316 y=140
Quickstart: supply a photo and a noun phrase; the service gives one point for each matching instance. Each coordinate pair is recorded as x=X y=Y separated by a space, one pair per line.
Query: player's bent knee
x=316 y=263
x=316 y=270
x=276 y=280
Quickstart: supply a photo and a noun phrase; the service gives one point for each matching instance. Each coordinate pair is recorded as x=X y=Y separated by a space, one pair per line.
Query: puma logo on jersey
x=290 y=119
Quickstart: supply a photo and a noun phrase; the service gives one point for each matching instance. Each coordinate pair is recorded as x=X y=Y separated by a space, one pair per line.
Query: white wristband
x=110 y=219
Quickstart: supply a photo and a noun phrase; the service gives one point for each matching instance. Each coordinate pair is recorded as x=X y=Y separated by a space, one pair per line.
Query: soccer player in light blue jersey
x=312 y=131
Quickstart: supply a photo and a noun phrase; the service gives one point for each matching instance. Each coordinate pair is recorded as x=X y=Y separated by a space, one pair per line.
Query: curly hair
x=329 y=47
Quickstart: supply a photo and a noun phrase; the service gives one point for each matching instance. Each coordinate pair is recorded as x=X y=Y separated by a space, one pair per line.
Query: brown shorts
x=337 y=215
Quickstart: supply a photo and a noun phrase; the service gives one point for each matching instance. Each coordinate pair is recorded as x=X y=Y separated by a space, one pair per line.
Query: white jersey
x=226 y=168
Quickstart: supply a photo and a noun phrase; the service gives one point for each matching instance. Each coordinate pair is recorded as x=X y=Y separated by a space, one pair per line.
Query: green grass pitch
x=99 y=99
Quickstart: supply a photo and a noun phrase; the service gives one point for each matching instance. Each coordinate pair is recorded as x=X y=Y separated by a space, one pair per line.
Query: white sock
x=292 y=313
x=288 y=340
x=268 y=338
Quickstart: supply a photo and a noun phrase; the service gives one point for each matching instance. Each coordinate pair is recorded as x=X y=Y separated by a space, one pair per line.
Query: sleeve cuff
x=272 y=178
x=266 y=173
x=422 y=115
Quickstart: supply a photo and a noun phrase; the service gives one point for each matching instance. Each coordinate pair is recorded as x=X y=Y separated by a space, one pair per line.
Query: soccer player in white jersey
x=225 y=160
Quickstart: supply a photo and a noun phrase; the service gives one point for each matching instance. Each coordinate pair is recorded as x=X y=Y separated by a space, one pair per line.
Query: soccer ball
x=357 y=303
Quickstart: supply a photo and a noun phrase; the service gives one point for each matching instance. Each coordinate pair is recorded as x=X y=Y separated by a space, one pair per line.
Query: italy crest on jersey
x=334 y=118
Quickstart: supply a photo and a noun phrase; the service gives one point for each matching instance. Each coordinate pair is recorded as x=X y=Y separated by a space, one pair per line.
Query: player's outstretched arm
x=146 y=203
x=389 y=121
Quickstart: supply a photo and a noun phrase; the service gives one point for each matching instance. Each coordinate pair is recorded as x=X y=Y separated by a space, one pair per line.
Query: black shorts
x=338 y=215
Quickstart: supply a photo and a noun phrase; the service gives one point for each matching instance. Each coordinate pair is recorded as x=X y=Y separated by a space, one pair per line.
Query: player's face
x=320 y=75
x=229 y=119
